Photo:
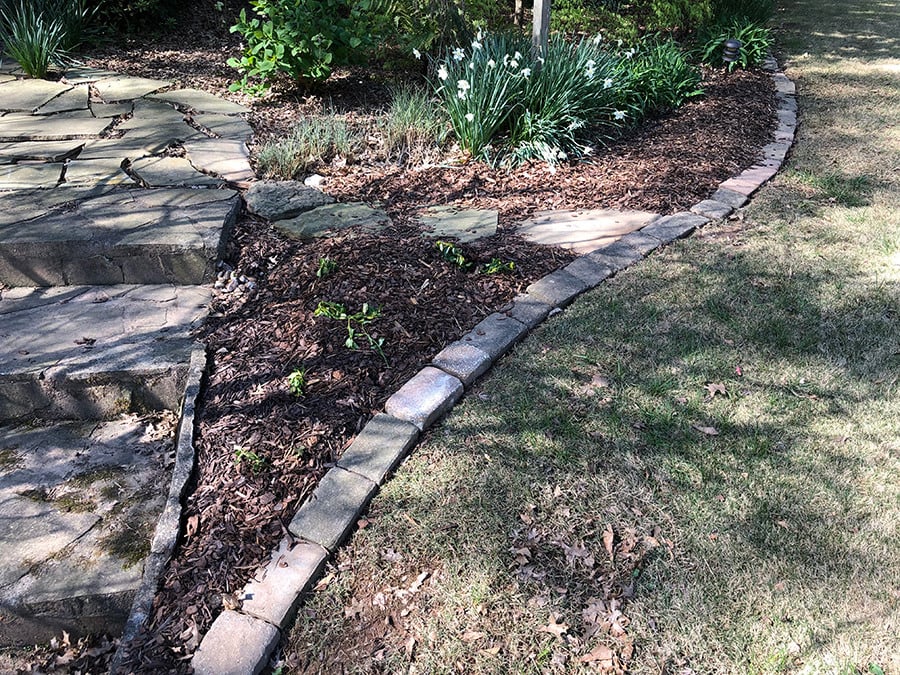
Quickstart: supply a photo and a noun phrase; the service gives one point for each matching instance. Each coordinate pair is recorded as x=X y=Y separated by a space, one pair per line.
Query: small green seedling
x=453 y=254
x=356 y=323
x=326 y=267
x=297 y=381
x=253 y=460
x=497 y=266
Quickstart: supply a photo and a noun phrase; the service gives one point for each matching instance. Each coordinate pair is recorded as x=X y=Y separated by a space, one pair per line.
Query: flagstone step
x=95 y=352
x=103 y=235
x=79 y=503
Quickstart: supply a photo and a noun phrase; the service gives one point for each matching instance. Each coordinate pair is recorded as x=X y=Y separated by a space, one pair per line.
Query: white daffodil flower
x=476 y=45
x=459 y=54
x=619 y=114
x=526 y=73
x=417 y=53
x=491 y=63
x=470 y=117
x=607 y=83
x=442 y=72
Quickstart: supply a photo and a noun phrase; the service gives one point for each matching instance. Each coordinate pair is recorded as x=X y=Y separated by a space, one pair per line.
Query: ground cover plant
x=696 y=467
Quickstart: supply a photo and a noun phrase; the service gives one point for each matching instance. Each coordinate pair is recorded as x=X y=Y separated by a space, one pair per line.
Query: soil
x=261 y=447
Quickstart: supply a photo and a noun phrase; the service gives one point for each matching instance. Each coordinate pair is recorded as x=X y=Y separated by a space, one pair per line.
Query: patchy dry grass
x=694 y=469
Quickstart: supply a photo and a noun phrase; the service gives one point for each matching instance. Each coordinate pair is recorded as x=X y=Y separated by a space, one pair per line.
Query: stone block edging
x=168 y=527
x=272 y=596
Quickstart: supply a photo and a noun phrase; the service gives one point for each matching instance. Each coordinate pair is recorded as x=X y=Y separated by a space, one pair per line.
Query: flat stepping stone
x=28 y=95
x=225 y=126
x=91 y=353
x=280 y=200
x=61 y=127
x=73 y=99
x=96 y=172
x=583 y=231
x=112 y=109
x=126 y=88
x=114 y=148
x=28 y=176
x=170 y=171
x=78 y=505
x=200 y=101
x=86 y=74
x=465 y=225
x=47 y=151
x=227 y=158
x=331 y=218
x=79 y=236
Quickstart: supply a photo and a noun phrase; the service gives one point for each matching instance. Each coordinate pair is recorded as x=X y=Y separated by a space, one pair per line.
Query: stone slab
x=153 y=139
x=236 y=644
x=114 y=148
x=73 y=99
x=783 y=84
x=152 y=114
x=733 y=199
x=425 y=397
x=78 y=504
x=90 y=353
x=465 y=225
x=108 y=110
x=712 y=209
x=640 y=241
x=583 y=231
x=463 y=361
x=589 y=271
x=170 y=172
x=28 y=95
x=26 y=176
x=528 y=310
x=85 y=74
x=275 y=591
x=225 y=126
x=557 y=289
x=48 y=151
x=200 y=101
x=171 y=235
x=97 y=172
x=281 y=200
x=495 y=334
x=750 y=180
x=326 y=220
x=333 y=508
x=125 y=87
x=61 y=127
x=227 y=158
x=379 y=447
x=674 y=227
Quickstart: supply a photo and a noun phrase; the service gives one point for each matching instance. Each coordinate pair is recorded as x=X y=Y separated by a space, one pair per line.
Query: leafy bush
x=421 y=25
x=40 y=33
x=755 y=39
x=134 y=15
x=413 y=126
x=659 y=77
x=314 y=141
x=304 y=39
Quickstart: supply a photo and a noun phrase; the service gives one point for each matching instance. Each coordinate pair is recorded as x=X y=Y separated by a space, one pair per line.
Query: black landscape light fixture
x=732 y=50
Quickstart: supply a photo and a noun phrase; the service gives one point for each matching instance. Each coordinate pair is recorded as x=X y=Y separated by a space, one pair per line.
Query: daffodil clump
x=503 y=102
x=507 y=104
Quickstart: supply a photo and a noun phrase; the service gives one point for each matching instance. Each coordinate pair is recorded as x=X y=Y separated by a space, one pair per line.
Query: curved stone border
x=242 y=641
x=168 y=527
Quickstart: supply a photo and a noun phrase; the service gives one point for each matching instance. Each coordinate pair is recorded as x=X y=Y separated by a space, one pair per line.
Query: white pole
x=541 y=26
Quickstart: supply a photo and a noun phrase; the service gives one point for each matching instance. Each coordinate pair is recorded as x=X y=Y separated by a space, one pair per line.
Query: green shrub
x=413 y=125
x=313 y=142
x=756 y=40
x=659 y=77
x=303 y=39
x=428 y=26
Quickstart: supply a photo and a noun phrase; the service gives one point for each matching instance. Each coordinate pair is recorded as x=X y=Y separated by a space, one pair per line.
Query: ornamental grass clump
x=658 y=77
x=505 y=104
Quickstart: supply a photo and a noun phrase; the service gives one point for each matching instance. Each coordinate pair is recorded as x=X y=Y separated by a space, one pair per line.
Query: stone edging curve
x=241 y=641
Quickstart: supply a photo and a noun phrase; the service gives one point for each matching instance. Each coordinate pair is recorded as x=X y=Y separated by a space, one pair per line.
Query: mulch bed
x=237 y=511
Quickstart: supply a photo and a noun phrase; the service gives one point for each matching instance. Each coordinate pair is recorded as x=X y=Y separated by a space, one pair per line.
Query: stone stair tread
x=78 y=505
x=93 y=350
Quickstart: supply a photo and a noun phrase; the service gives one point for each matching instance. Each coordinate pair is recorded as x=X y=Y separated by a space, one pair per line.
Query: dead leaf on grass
x=714 y=388
x=555 y=627
x=609 y=538
x=601 y=654
x=709 y=431
x=472 y=636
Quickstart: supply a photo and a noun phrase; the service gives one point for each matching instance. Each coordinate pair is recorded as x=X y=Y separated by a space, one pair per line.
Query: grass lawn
x=696 y=467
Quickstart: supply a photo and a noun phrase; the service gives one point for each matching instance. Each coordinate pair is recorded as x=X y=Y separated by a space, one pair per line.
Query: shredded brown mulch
x=261 y=448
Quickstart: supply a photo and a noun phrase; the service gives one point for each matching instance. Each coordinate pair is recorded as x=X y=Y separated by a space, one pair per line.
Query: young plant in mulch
x=356 y=324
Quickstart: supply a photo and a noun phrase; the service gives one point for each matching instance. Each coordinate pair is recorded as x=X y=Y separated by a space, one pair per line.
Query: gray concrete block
x=275 y=591
x=333 y=508
x=734 y=199
x=640 y=241
x=675 y=226
x=379 y=447
x=709 y=208
x=592 y=272
x=616 y=256
x=557 y=289
x=783 y=84
x=750 y=180
x=463 y=361
x=236 y=644
x=495 y=334
x=528 y=310
x=424 y=398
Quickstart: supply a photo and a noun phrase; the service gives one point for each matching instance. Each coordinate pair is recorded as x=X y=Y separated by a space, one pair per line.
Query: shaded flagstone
x=325 y=220
x=583 y=230
x=121 y=88
x=200 y=101
x=18 y=127
x=25 y=176
x=73 y=99
x=225 y=126
x=48 y=151
x=111 y=109
x=97 y=172
x=466 y=225
x=170 y=171
x=28 y=95
x=85 y=74
x=226 y=158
